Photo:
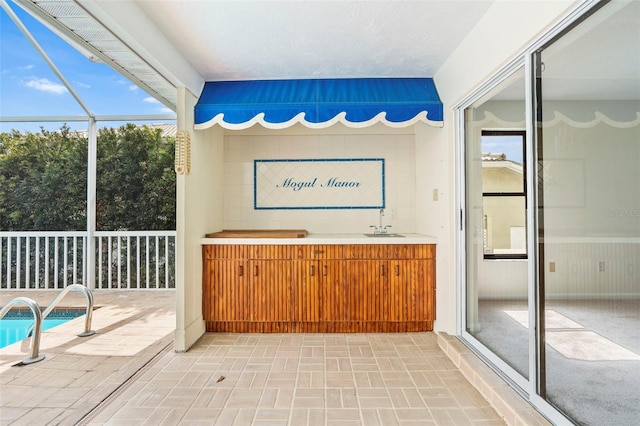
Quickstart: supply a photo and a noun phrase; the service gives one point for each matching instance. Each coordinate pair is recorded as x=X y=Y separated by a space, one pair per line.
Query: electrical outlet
x=601 y=266
x=435 y=194
x=552 y=266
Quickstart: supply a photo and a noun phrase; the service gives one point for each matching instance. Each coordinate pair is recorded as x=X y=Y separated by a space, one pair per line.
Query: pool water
x=14 y=326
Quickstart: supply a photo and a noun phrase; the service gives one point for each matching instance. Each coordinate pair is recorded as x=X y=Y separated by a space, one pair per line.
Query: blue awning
x=319 y=103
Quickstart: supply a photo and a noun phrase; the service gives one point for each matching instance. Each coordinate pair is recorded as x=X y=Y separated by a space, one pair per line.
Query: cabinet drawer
x=367 y=251
x=217 y=251
x=412 y=251
x=318 y=252
x=273 y=251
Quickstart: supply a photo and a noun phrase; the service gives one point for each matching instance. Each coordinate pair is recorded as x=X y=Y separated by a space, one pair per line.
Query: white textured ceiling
x=241 y=40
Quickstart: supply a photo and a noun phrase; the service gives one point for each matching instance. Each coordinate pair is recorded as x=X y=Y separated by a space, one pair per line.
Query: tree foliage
x=43 y=180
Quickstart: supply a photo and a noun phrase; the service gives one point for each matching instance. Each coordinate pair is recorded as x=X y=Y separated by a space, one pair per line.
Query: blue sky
x=509 y=145
x=28 y=86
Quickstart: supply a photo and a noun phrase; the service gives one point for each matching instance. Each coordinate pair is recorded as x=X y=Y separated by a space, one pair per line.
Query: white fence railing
x=53 y=260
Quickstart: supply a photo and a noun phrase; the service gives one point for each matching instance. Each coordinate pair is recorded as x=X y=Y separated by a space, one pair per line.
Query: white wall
x=195 y=215
x=436 y=213
x=502 y=33
x=397 y=147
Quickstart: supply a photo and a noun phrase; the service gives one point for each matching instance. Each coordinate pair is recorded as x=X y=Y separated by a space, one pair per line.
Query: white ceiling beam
x=133 y=27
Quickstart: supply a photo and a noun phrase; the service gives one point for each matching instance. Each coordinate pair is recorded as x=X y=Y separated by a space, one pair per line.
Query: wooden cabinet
x=247 y=288
x=367 y=292
x=392 y=287
x=319 y=288
x=225 y=292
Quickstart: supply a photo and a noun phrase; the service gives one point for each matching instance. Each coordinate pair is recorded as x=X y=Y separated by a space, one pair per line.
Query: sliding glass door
x=560 y=320
x=588 y=148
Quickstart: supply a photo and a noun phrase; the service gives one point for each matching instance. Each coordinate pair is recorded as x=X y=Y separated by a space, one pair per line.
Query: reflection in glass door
x=588 y=148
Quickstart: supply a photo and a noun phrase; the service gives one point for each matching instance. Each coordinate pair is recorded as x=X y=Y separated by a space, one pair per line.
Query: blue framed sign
x=353 y=183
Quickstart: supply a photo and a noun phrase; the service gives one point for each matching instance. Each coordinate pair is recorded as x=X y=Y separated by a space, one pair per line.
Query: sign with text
x=356 y=183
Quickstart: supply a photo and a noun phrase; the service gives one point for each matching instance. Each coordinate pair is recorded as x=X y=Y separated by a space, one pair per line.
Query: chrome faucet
x=377 y=230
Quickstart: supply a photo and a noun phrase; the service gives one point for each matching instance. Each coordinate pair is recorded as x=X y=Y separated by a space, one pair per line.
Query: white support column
x=183 y=290
x=199 y=209
x=92 y=173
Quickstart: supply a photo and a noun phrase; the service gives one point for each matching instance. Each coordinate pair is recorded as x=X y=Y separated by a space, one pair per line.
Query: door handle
x=324 y=270
x=312 y=270
x=255 y=271
x=240 y=270
x=397 y=270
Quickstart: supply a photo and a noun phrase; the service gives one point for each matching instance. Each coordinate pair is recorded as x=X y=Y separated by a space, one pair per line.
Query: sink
x=383 y=235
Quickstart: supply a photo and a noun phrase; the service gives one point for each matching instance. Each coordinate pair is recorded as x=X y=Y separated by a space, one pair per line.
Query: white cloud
x=26 y=67
x=45 y=85
x=83 y=85
x=150 y=100
x=133 y=87
x=165 y=110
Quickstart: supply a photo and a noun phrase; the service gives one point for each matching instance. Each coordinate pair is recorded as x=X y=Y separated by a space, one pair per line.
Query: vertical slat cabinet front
x=307 y=297
x=334 y=293
x=430 y=272
x=428 y=252
x=409 y=290
x=412 y=287
x=318 y=287
x=366 y=291
x=225 y=288
x=269 y=269
x=230 y=290
x=270 y=290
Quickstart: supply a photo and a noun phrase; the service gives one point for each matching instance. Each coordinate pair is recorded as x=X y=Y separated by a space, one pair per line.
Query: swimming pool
x=14 y=326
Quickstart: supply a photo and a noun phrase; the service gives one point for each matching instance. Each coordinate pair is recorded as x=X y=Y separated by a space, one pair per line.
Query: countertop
x=328 y=239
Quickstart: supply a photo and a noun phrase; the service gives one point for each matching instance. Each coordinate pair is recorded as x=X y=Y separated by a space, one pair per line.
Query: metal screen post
x=92 y=165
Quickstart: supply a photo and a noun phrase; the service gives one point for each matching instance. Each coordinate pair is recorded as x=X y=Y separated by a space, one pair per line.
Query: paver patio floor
x=129 y=374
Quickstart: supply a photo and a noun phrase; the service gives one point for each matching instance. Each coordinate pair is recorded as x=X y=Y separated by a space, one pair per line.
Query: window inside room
x=504 y=194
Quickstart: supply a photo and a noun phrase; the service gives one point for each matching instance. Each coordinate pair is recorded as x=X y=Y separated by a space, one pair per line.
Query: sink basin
x=383 y=235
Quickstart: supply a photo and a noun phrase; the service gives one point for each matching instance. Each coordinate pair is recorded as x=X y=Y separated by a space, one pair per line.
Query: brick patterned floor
x=303 y=379
x=128 y=374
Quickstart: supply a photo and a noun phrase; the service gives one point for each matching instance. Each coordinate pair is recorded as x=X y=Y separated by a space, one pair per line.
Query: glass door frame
x=508 y=373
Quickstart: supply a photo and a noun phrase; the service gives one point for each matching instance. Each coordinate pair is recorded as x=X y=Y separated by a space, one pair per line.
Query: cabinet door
x=225 y=290
x=411 y=292
x=269 y=290
x=334 y=290
x=306 y=292
x=319 y=292
x=367 y=297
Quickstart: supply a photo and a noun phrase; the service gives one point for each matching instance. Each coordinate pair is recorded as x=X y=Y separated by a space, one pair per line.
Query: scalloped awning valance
x=319 y=103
